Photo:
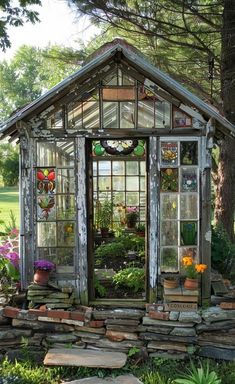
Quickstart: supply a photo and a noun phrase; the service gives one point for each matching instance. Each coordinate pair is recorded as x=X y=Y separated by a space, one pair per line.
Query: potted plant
x=171 y=282
x=104 y=216
x=140 y=230
x=132 y=216
x=42 y=270
x=192 y=272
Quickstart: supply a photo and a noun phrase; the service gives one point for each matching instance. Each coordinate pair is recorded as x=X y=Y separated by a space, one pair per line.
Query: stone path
x=124 y=379
x=85 y=358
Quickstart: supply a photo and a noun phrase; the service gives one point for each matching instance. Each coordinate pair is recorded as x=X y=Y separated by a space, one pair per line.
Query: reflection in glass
x=91 y=114
x=169 y=259
x=169 y=206
x=188 y=207
x=163 y=114
x=118 y=167
x=146 y=114
x=110 y=114
x=169 y=233
x=46 y=234
x=104 y=167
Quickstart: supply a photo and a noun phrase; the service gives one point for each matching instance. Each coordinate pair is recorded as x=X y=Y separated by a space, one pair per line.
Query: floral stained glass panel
x=169 y=154
x=169 y=180
x=46 y=208
x=189 y=179
x=46 y=180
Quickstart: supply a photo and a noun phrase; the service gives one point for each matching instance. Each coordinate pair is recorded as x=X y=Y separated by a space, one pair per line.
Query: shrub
x=222 y=251
x=132 y=278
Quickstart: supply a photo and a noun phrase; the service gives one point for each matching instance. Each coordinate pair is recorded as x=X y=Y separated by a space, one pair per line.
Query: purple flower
x=4 y=249
x=13 y=257
x=44 y=265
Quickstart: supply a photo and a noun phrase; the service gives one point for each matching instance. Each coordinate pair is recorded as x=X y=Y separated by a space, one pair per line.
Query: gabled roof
x=129 y=55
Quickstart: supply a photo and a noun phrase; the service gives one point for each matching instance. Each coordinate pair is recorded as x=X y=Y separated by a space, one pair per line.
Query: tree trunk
x=225 y=190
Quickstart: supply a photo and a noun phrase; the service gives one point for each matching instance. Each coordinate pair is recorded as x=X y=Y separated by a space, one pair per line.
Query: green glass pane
x=46 y=234
x=169 y=233
x=169 y=206
x=132 y=183
x=132 y=168
x=132 y=198
x=99 y=150
x=169 y=259
x=188 y=232
x=118 y=183
x=65 y=179
x=139 y=150
x=65 y=234
x=189 y=152
x=65 y=207
x=118 y=167
x=169 y=180
x=104 y=167
x=104 y=183
x=188 y=206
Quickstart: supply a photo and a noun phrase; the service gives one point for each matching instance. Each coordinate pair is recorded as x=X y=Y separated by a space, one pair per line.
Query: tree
x=9 y=164
x=182 y=37
x=31 y=72
x=16 y=16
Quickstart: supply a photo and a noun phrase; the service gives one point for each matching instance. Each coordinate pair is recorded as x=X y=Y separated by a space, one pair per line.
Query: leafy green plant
x=156 y=378
x=132 y=278
x=222 y=251
x=104 y=213
x=114 y=249
x=132 y=351
x=201 y=375
x=99 y=288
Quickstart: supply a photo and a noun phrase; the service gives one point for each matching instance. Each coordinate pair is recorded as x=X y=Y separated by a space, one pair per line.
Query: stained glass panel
x=169 y=153
x=181 y=119
x=189 y=179
x=45 y=208
x=169 y=180
x=46 y=181
x=188 y=232
x=189 y=152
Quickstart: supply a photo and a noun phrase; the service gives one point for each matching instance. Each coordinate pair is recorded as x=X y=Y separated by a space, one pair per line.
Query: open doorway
x=118 y=219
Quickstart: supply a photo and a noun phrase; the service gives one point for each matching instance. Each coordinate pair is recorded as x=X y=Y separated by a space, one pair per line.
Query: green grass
x=9 y=200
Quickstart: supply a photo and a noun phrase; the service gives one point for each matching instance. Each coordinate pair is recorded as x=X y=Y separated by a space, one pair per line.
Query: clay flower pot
x=191 y=284
x=170 y=283
x=41 y=277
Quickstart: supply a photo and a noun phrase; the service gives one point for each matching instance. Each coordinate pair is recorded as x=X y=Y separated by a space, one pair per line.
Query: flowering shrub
x=44 y=265
x=192 y=270
x=9 y=258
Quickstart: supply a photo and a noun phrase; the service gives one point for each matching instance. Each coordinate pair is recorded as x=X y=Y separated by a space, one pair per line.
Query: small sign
x=180 y=307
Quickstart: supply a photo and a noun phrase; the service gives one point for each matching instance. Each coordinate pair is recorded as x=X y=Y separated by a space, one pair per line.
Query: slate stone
x=85 y=358
x=169 y=355
x=123 y=328
x=187 y=317
x=43 y=326
x=127 y=322
x=153 y=336
x=123 y=379
x=87 y=334
x=217 y=353
x=61 y=338
x=11 y=333
x=119 y=336
x=217 y=314
x=162 y=330
x=174 y=315
x=124 y=345
x=119 y=313
x=183 y=332
x=167 y=345
x=148 y=321
x=215 y=326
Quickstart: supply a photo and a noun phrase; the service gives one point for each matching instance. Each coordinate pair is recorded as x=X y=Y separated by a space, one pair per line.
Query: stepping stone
x=85 y=358
x=123 y=379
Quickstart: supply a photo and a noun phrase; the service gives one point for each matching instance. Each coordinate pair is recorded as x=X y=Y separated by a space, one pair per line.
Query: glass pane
x=75 y=116
x=181 y=119
x=188 y=232
x=94 y=168
x=45 y=154
x=188 y=207
x=46 y=181
x=94 y=183
x=142 y=214
x=169 y=233
x=142 y=198
x=119 y=198
x=104 y=167
x=65 y=256
x=188 y=179
x=169 y=206
x=146 y=114
x=65 y=234
x=132 y=183
x=132 y=168
x=104 y=183
x=118 y=167
x=132 y=198
x=65 y=154
x=65 y=207
x=190 y=252
x=110 y=114
x=65 y=181
x=163 y=114
x=47 y=254
x=169 y=154
x=118 y=183
x=46 y=234
x=169 y=180
x=189 y=152
x=127 y=118
x=91 y=116
x=55 y=121
x=169 y=260
x=142 y=168
x=142 y=184
x=45 y=208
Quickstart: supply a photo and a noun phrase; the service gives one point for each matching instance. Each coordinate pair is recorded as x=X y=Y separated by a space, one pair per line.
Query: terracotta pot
x=41 y=277
x=191 y=284
x=170 y=284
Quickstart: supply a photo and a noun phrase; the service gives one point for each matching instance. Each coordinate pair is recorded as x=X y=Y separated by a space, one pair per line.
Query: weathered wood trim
x=153 y=218
x=82 y=221
x=205 y=236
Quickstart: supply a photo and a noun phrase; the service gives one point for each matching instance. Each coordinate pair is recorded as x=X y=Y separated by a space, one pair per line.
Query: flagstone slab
x=85 y=358
x=123 y=379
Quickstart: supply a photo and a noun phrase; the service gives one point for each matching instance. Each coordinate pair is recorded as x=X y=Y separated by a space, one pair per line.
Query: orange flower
x=200 y=268
x=187 y=260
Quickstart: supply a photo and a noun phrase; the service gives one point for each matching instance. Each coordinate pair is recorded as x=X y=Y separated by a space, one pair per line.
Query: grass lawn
x=9 y=200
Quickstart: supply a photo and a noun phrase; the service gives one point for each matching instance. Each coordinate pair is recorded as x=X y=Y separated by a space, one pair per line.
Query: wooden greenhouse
x=115 y=166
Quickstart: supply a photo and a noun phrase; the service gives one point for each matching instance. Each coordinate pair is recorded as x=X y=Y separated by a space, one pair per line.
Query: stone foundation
x=209 y=333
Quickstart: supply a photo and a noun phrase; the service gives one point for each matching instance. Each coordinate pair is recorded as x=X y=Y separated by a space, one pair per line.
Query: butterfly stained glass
x=46 y=180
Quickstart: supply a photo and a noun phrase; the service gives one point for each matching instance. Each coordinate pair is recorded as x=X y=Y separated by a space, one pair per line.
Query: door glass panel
x=46 y=234
x=189 y=207
x=169 y=259
x=169 y=206
x=132 y=183
x=132 y=168
x=169 y=233
x=118 y=167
